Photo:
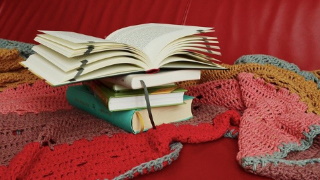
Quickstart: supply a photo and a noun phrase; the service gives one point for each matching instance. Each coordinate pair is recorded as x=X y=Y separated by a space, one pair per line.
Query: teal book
x=134 y=121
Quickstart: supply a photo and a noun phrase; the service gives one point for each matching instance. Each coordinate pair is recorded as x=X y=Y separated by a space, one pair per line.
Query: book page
x=55 y=76
x=152 y=38
x=69 y=64
x=74 y=37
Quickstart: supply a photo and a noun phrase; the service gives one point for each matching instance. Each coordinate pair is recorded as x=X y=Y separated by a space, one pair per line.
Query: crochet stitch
x=161 y=142
x=273 y=124
x=266 y=59
x=308 y=90
x=100 y=151
x=25 y=49
x=273 y=111
x=34 y=98
x=11 y=72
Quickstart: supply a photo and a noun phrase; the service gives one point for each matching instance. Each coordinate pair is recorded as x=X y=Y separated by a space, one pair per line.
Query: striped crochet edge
x=285 y=148
x=25 y=49
x=267 y=59
x=153 y=165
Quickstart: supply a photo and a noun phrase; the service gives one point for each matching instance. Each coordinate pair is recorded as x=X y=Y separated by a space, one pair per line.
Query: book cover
x=80 y=96
x=125 y=100
x=120 y=88
x=132 y=81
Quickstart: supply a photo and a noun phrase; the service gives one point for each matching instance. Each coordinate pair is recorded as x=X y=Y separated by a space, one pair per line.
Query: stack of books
x=111 y=70
x=127 y=108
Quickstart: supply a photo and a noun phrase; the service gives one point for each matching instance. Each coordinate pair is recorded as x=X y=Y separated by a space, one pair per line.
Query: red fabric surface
x=211 y=160
x=22 y=19
x=286 y=29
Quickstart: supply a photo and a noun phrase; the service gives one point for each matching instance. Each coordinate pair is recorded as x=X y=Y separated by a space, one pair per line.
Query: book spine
x=81 y=97
x=95 y=86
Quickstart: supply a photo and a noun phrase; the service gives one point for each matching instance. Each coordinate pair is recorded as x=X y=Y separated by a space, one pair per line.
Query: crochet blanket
x=268 y=104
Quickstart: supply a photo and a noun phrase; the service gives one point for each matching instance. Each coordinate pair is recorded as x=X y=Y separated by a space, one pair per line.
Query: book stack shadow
x=125 y=102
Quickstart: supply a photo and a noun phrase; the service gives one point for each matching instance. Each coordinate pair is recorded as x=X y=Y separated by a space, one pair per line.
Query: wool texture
x=270 y=107
x=282 y=78
x=62 y=143
x=25 y=49
x=265 y=59
x=11 y=72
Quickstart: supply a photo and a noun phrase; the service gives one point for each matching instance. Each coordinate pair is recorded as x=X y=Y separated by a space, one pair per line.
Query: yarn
x=253 y=91
x=99 y=147
x=25 y=49
x=34 y=98
x=267 y=59
x=307 y=90
x=274 y=123
x=11 y=72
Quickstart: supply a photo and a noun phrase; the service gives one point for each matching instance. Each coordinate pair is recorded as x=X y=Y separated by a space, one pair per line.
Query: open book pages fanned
x=66 y=57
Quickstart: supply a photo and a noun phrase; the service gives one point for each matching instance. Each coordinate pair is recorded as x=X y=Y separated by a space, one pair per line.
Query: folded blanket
x=273 y=111
x=25 y=49
x=11 y=72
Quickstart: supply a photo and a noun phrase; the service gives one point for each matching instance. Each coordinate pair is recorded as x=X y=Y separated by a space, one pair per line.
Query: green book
x=135 y=99
x=133 y=121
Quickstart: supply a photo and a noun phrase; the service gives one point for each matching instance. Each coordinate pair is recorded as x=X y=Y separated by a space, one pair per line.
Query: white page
x=152 y=38
x=68 y=64
x=74 y=37
x=55 y=76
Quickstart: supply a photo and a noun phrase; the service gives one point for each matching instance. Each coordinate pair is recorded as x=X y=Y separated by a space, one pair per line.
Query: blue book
x=134 y=121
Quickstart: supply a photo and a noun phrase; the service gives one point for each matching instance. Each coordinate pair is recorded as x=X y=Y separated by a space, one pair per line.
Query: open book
x=67 y=57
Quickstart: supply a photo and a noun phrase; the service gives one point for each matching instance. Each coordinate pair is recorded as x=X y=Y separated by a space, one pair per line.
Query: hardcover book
x=124 y=100
x=67 y=57
x=134 y=121
x=132 y=81
x=120 y=88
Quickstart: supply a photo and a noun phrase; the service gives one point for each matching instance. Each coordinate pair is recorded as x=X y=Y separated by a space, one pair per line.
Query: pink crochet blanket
x=43 y=137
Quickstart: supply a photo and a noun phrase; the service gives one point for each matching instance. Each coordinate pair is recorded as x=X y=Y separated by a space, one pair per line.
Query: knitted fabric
x=25 y=49
x=273 y=110
x=34 y=98
x=52 y=125
x=316 y=73
x=266 y=59
x=11 y=72
x=308 y=90
x=273 y=127
x=72 y=144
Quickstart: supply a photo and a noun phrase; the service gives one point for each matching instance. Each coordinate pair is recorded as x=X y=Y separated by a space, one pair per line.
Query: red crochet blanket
x=275 y=120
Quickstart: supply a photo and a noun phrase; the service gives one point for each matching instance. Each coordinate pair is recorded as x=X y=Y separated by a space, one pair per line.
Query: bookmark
x=80 y=69
x=206 y=43
x=90 y=48
x=146 y=95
